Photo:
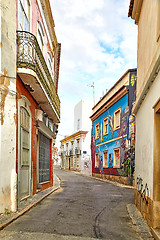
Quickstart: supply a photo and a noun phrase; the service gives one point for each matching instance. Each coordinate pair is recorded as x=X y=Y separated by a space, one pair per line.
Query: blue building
x=113 y=131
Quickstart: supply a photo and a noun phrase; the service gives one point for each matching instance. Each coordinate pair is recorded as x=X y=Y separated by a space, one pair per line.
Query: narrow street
x=82 y=209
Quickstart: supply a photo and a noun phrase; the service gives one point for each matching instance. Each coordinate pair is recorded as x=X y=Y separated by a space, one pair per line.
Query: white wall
x=78 y=116
x=8 y=175
x=83 y=111
x=145 y=136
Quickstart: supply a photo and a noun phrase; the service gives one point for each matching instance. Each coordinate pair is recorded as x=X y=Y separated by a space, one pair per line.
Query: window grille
x=44 y=150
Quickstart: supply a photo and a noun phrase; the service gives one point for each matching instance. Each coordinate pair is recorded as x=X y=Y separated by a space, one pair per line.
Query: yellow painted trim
x=105 y=133
x=105 y=166
x=117 y=110
x=73 y=136
x=114 y=149
x=96 y=137
x=111 y=140
x=96 y=162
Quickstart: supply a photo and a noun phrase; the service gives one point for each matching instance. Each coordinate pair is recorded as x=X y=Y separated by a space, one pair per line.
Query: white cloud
x=98 y=45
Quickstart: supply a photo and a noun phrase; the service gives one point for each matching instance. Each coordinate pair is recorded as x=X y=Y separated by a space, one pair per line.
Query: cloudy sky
x=99 y=45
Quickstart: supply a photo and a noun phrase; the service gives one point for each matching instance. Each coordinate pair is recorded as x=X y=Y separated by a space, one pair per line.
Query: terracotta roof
x=130 y=8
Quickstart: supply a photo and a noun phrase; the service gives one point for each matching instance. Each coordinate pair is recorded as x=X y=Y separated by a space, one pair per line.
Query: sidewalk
x=26 y=205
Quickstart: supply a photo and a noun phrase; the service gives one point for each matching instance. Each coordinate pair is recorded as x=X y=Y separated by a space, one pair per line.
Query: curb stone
x=106 y=180
x=139 y=222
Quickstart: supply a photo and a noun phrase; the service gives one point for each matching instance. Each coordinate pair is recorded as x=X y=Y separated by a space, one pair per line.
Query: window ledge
x=116 y=128
x=44 y=182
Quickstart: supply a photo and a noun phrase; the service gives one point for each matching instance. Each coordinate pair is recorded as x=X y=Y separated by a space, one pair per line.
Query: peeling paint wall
x=8 y=176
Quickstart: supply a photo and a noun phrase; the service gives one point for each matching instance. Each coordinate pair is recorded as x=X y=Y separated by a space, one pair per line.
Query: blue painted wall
x=112 y=135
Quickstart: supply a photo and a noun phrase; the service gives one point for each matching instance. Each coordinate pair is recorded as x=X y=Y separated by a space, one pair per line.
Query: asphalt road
x=82 y=209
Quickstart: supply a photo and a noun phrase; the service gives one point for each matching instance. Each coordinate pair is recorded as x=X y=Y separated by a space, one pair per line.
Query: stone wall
x=119 y=179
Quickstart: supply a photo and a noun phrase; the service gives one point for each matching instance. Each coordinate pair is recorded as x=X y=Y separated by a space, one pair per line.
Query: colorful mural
x=119 y=141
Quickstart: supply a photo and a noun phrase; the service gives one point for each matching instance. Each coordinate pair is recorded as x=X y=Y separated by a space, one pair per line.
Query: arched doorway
x=24 y=153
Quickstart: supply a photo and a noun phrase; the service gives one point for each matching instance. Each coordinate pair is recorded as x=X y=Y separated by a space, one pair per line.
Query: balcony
x=63 y=154
x=71 y=152
x=67 y=153
x=34 y=73
x=77 y=151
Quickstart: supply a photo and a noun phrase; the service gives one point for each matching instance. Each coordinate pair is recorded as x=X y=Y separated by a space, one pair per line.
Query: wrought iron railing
x=71 y=152
x=77 y=150
x=67 y=153
x=29 y=55
x=63 y=153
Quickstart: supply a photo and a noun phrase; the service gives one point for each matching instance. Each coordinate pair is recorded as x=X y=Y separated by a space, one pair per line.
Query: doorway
x=69 y=163
x=24 y=161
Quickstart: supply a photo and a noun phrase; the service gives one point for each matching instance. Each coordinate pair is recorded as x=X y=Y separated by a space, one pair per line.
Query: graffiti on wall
x=100 y=160
x=124 y=122
x=110 y=160
x=127 y=152
x=93 y=147
x=142 y=189
x=131 y=136
x=132 y=90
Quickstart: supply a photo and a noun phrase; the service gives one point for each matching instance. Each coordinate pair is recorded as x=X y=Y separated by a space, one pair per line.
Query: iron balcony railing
x=71 y=152
x=29 y=55
x=63 y=153
x=67 y=153
x=77 y=151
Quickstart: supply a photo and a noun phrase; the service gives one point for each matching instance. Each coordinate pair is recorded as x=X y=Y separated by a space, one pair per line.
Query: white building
x=75 y=149
x=146 y=14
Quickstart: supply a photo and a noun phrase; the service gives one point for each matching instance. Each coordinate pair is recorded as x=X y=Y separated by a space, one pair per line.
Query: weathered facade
x=8 y=181
x=75 y=149
x=113 y=132
x=146 y=14
x=55 y=156
x=30 y=106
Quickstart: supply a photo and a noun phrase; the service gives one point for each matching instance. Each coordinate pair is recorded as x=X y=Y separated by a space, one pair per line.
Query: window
x=97 y=131
x=66 y=148
x=24 y=15
x=105 y=126
x=105 y=159
x=116 y=158
x=44 y=158
x=51 y=65
x=117 y=115
x=77 y=160
x=40 y=35
x=71 y=162
x=72 y=146
x=25 y=136
x=96 y=160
